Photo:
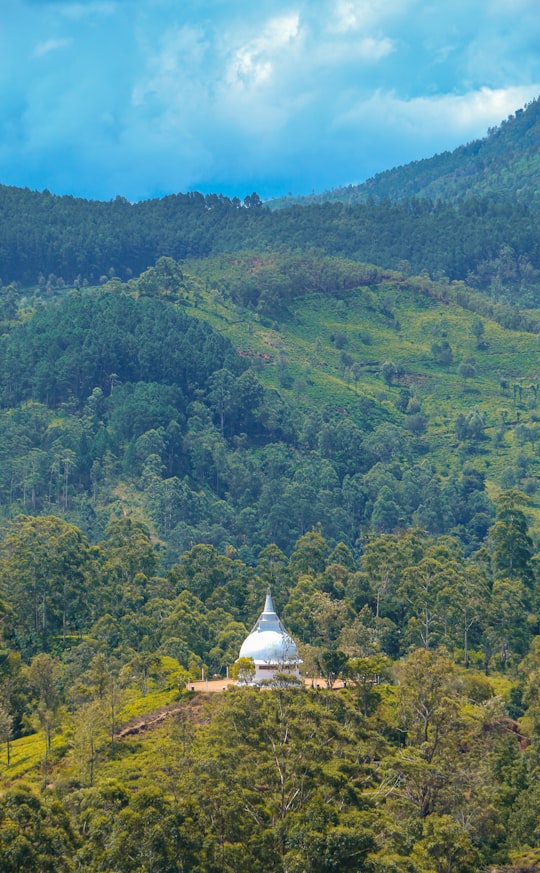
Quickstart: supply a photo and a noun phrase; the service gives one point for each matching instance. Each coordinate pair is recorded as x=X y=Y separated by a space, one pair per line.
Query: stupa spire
x=268 y=605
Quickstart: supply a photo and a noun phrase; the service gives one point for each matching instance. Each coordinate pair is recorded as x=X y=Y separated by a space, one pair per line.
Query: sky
x=142 y=98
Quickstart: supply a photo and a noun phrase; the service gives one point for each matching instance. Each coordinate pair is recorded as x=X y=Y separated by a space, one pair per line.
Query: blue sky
x=142 y=98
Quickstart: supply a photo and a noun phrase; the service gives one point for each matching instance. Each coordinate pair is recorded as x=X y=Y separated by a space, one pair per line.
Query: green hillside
x=331 y=347
x=201 y=395
x=201 y=398
x=160 y=442
x=301 y=779
x=57 y=242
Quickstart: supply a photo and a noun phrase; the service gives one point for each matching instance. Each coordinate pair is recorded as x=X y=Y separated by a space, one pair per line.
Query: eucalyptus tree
x=35 y=834
x=6 y=731
x=48 y=579
x=509 y=540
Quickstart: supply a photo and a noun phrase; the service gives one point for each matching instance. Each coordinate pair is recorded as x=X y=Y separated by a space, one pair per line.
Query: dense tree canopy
x=489 y=241
x=248 y=401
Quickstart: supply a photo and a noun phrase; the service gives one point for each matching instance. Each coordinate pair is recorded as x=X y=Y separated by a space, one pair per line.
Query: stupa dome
x=269 y=645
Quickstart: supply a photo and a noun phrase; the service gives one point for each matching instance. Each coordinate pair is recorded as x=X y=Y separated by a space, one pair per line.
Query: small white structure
x=270 y=646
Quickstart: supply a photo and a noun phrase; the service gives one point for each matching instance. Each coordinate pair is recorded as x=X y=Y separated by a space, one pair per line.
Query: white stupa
x=270 y=646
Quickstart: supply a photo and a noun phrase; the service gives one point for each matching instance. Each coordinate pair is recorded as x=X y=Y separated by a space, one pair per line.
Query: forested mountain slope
x=422 y=755
x=200 y=398
x=506 y=163
x=244 y=399
x=470 y=215
x=361 y=438
x=288 y=780
x=53 y=242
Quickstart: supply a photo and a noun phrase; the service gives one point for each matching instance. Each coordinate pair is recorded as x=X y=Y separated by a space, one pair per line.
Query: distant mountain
x=469 y=215
x=505 y=163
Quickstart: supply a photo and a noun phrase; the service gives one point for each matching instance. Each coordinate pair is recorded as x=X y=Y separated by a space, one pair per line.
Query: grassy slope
x=31 y=761
x=303 y=338
x=138 y=758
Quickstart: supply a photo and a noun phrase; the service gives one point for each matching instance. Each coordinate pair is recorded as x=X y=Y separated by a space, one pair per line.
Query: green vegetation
x=354 y=410
x=200 y=398
x=425 y=775
x=429 y=750
x=488 y=241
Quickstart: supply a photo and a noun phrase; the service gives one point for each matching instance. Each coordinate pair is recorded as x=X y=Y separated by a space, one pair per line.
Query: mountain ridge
x=506 y=162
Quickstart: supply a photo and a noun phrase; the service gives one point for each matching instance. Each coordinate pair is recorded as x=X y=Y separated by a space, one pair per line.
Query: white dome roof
x=269 y=642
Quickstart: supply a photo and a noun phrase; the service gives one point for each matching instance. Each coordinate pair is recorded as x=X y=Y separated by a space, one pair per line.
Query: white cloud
x=485 y=106
x=354 y=15
x=463 y=116
x=348 y=58
x=345 y=16
x=249 y=69
x=174 y=73
x=76 y=11
x=145 y=96
x=370 y=49
x=50 y=45
x=253 y=63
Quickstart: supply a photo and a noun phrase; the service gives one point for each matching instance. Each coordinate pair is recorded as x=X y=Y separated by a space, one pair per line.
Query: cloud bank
x=146 y=97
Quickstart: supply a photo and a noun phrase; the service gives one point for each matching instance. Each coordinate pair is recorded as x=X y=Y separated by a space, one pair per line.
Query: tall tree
x=509 y=538
x=46 y=574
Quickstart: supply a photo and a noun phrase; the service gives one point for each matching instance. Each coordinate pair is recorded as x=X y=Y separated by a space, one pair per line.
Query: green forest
x=202 y=397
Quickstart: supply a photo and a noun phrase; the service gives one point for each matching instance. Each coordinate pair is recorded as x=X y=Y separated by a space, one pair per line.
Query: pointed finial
x=268 y=605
